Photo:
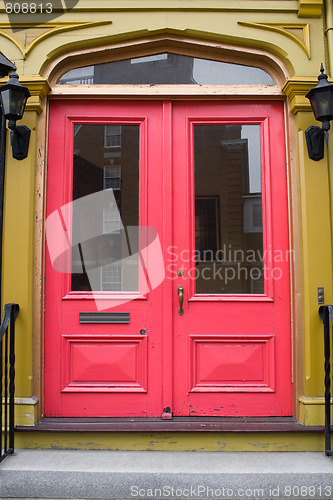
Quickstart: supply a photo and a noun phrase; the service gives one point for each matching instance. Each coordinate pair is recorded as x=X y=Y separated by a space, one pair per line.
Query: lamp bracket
x=19 y=138
x=315 y=143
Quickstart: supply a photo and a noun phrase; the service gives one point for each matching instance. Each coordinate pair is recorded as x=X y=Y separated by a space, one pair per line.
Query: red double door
x=167 y=260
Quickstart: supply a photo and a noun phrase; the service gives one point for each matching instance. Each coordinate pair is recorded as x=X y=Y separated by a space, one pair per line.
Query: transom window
x=167 y=69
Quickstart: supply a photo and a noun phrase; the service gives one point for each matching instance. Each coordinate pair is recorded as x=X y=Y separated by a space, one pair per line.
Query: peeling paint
x=262 y=445
x=201 y=442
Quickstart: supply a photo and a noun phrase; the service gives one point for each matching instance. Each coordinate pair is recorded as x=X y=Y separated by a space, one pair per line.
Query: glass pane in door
x=105 y=207
x=228 y=209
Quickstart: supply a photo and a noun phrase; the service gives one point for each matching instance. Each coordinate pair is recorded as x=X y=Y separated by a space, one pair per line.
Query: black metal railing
x=326 y=315
x=7 y=379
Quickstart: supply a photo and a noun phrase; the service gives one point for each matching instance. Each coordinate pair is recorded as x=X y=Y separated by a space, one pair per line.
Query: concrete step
x=91 y=474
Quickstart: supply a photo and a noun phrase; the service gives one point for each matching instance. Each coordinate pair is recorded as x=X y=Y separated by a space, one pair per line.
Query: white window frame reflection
x=112 y=136
x=112 y=177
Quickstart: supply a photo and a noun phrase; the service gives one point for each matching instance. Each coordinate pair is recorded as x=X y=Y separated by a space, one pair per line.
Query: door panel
x=147 y=197
x=232 y=344
x=99 y=263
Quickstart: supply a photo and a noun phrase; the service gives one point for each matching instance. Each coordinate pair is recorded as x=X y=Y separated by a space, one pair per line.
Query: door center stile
x=167 y=238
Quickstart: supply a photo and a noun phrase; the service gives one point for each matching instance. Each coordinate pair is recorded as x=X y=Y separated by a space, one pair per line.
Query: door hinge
x=167 y=414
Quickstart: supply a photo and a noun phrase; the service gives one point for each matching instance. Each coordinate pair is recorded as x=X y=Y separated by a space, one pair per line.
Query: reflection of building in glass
x=167 y=69
x=79 y=76
x=112 y=177
x=112 y=274
x=152 y=70
x=112 y=136
x=107 y=157
x=228 y=214
x=252 y=222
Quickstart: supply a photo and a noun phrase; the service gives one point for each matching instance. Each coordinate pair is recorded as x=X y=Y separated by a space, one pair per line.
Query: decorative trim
x=310 y=8
x=312 y=410
x=296 y=89
x=283 y=29
x=165 y=91
x=313 y=400
x=59 y=62
x=54 y=28
x=25 y=411
x=39 y=88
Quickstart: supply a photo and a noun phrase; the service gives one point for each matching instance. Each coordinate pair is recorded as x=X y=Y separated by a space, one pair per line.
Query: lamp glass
x=314 y=106
x=13 y=102
x=321 y=99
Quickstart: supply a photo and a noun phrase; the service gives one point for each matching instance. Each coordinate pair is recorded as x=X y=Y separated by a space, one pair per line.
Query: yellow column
x=329 y=33
x=19 y=255
x=316 y=244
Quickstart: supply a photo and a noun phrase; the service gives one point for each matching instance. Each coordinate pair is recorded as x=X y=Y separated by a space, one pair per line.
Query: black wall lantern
x=321 y=99
x=13 y=100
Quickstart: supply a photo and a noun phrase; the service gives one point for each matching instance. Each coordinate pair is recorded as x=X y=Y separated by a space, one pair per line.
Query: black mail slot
x=104 y=317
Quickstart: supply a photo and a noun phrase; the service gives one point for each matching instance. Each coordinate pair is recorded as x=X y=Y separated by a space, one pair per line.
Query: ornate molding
x=284 y=29
x=51 y=29
x=296 y=89
x=39 y=88
x=312 y=400
x=310 y=8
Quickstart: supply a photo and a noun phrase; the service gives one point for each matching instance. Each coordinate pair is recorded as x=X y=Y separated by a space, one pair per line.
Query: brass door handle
x=180 y=291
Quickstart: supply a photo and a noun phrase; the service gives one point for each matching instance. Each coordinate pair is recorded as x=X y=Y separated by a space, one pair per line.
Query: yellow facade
x=289 y=37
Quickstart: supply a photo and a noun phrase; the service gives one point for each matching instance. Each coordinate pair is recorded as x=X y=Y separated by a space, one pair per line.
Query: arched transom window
x=165 y=69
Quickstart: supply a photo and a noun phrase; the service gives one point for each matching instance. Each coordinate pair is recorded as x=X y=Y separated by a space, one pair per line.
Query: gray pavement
x=78 y=474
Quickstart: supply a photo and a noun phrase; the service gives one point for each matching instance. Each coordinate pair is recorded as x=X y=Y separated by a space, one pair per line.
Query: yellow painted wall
x=18 y=258
x=289 y=37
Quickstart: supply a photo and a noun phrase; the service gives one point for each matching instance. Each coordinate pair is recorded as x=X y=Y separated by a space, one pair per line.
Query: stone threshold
x=176 y=424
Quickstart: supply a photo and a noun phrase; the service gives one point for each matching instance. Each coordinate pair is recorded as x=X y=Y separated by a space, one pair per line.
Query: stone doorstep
x=114 y=475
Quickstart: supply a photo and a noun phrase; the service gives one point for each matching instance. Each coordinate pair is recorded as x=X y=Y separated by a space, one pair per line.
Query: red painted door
x=103 y=339
x=167 y=270
x=232 y=344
